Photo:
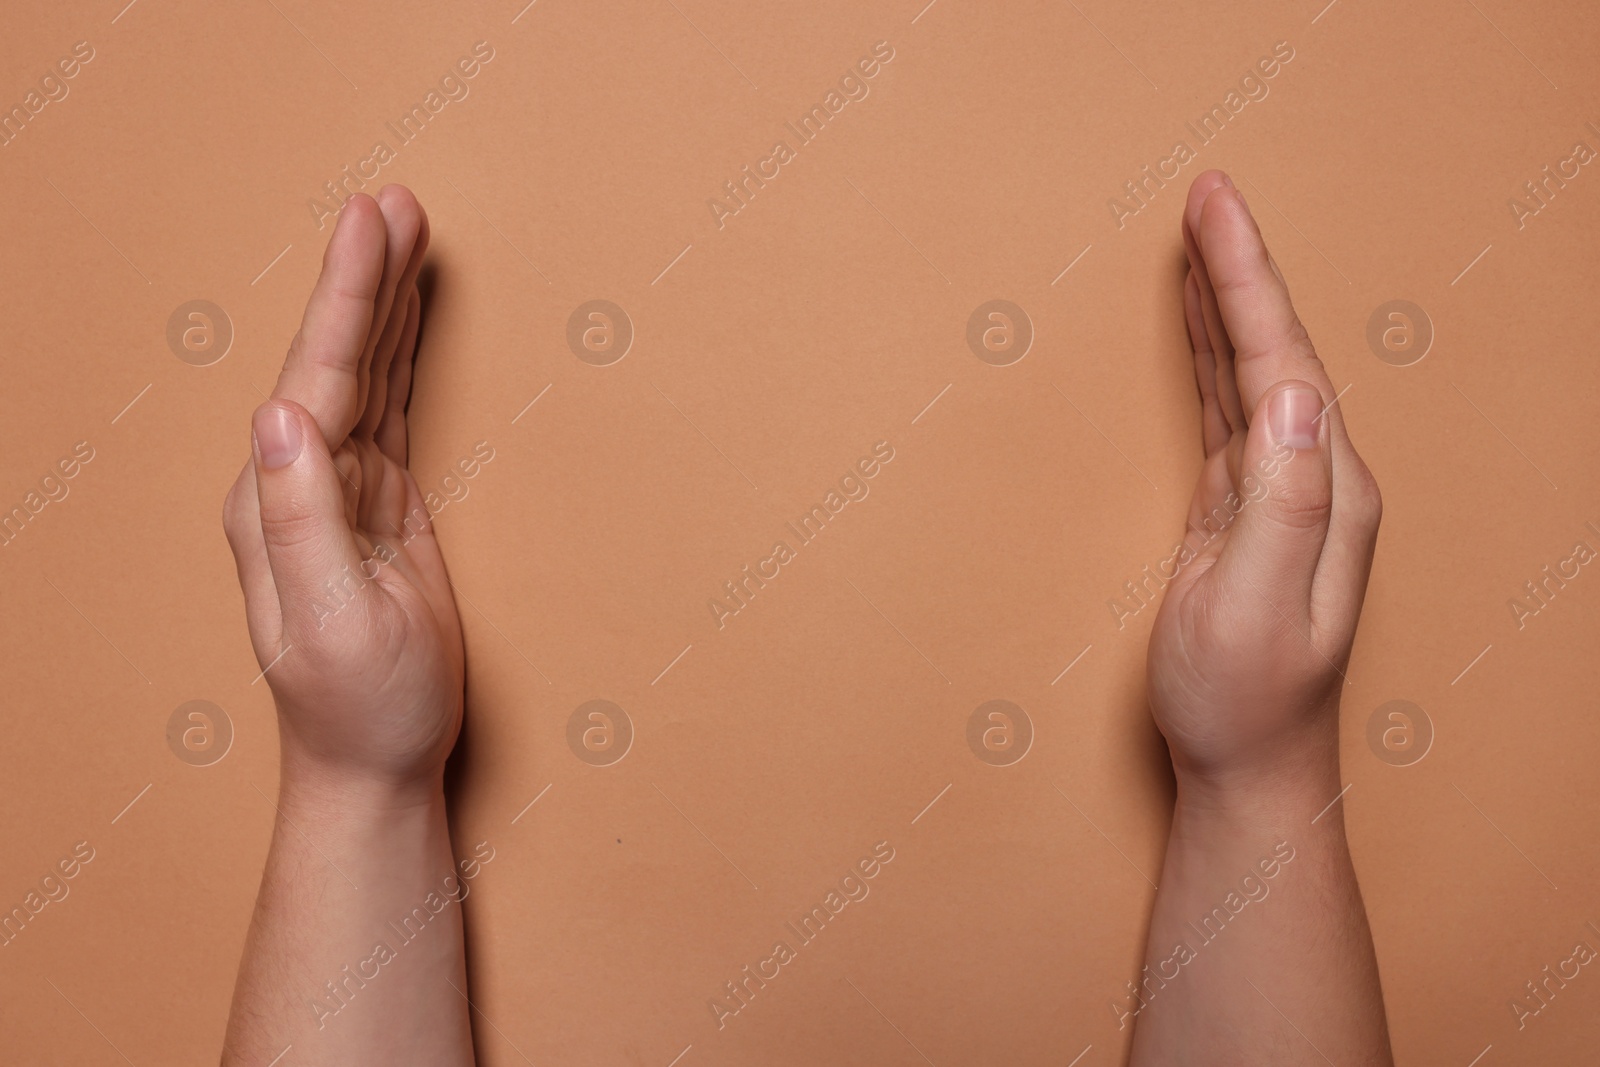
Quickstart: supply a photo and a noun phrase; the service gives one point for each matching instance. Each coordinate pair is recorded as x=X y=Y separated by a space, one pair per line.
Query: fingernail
x=1293 y=416
x=277 y=435
x=1227 y=180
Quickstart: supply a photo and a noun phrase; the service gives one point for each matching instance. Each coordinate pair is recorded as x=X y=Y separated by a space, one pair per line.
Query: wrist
x=1263 y=809
x=1255 y=777
x=1289 y=785
x=1222 y=832
x=315 y=790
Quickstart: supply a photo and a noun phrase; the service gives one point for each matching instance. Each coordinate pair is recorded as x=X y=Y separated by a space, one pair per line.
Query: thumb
x=303 y=523
x=1285 y=490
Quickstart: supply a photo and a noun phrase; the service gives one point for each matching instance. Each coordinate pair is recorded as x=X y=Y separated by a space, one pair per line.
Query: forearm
x=1259 y=949
x=355 y=952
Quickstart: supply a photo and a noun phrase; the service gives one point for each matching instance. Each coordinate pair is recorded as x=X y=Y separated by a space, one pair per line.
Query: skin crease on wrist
x=1245 y=667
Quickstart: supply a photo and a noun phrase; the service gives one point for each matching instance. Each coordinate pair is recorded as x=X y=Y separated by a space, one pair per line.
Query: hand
x=1249 y=649
x=349 y=606
x=1246 y=666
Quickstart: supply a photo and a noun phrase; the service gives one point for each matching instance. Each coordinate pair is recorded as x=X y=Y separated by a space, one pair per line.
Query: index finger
x=1270 y=346
x=323 y=370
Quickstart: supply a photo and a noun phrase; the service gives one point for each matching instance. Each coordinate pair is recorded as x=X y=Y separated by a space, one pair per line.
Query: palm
x=1204 y=641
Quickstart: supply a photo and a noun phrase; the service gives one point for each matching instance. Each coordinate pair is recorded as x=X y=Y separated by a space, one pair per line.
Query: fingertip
x=394 y=192
x=1294 y=414
x=360 y=224
x=400 y=209
x=405 y=217
x=277 y=435
x=1219 y=204
x=359 y=211
x=1230 y=199
x=1283 y=500
x=359 y=239
x=1200 y=191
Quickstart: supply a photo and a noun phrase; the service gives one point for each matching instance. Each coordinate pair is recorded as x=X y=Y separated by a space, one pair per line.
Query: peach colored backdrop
x=769 y=342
